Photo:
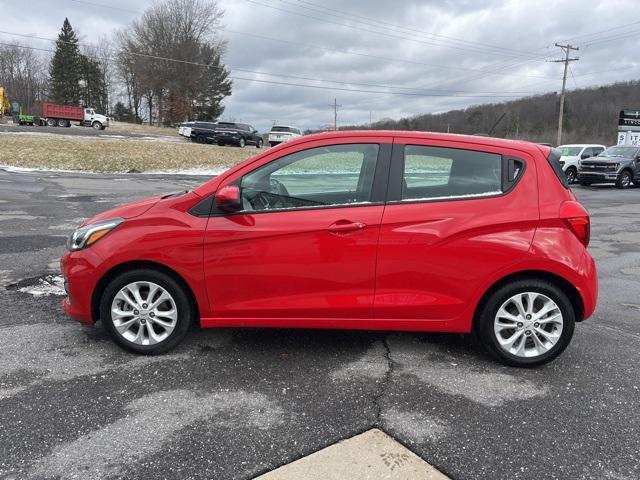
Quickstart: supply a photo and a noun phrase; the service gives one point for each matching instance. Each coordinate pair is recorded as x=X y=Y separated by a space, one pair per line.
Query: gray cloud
x=522 y=31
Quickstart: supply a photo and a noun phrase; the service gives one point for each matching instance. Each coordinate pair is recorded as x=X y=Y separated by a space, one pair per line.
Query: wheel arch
x=563 y=284
x=123 y=267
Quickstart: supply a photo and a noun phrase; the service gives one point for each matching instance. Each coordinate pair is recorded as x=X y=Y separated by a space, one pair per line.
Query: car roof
x=286 y=126
x=400 y=134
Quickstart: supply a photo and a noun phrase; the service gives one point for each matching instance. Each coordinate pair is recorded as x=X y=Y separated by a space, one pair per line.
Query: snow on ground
x=202 y=171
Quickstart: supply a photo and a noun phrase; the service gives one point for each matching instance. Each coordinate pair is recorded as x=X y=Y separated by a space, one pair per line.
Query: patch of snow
x=49 y=285
x=209 y=172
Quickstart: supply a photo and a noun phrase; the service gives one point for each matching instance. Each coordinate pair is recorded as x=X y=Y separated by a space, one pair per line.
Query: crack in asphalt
x=384 y=382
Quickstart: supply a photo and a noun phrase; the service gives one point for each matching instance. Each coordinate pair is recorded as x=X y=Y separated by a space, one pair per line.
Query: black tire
x=572 y=175
x=624 y=180
x=273 y=144
x=220 y=144
x=484 y=323
x=585 y=184
x=200 y=139
x=96 y=125
x=52 y=122
x=242 y=142
x=259 y=143
x=167 y=282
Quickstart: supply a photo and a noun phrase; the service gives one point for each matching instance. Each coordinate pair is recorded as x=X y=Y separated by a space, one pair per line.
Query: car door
x=455 y=215
x=304 y=245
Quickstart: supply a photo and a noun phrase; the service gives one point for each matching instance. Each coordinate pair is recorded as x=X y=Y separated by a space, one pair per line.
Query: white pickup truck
x=572 y=154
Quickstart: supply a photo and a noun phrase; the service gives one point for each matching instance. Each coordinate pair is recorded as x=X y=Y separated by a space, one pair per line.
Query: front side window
x=314 y=178
x=436 y=172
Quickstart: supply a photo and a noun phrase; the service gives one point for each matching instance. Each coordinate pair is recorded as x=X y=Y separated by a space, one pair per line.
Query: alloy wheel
x=144 y=313
x=528 y=324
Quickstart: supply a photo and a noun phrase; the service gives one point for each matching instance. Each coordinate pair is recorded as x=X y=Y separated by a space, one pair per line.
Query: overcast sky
x=446 y=53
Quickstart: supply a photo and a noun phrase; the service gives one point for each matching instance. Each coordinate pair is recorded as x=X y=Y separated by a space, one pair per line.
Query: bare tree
x=23 y=72
x=171 y=54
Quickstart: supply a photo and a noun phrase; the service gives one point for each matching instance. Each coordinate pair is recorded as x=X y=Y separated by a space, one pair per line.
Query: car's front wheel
x=624 y=180
x=571 y=174
x=259 y=143
x=145 y=311
x=526 y=323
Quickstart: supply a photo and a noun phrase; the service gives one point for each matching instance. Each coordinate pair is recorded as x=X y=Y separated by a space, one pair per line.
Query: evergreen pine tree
x=64 y=70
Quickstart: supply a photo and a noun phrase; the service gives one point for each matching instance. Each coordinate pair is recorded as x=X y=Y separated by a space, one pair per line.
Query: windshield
x=569 y=151
x=620 y=152
x=282 y=129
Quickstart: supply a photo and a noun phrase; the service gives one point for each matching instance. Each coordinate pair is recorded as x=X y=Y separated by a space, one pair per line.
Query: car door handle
x=343 y=226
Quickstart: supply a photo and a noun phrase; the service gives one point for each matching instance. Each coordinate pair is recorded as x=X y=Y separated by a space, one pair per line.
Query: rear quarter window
x=554 y=161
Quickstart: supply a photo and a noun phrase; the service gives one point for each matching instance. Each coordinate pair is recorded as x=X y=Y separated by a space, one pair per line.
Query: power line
x=368 y=30
x=299 y=77
x=320 y=87
x=450 y=38
x=465 y=44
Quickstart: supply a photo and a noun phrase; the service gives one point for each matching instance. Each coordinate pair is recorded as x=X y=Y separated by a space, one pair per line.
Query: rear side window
x=554 y=161
x=436 y=173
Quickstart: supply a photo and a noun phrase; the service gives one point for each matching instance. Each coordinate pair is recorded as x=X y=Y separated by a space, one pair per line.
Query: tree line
x=165 y=67
x=590 y=115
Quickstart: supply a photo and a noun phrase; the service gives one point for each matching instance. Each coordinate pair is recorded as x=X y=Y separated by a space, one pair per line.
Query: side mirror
x=255 y=131
x=228 y=198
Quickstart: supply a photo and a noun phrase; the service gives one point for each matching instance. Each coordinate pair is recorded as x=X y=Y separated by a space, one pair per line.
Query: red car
x=372 y=230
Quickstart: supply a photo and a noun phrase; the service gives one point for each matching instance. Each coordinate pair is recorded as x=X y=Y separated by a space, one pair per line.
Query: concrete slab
x=370 y=455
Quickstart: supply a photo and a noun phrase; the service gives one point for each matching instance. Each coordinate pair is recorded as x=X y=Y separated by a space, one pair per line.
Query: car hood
x=126 y=211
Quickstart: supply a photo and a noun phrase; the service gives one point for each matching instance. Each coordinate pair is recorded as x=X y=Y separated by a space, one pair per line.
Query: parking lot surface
x=237 y=403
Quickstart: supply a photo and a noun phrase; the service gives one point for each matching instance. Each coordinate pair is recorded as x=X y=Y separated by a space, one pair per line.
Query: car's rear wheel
x=259 y=143
x=571 y=174
x=52 y=122
x=624 y=180
x=242 y=142
x=526 y=323
x=145 y=311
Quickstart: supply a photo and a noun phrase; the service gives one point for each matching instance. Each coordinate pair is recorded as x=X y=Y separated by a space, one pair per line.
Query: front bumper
x=81 y=273
x=596 y=177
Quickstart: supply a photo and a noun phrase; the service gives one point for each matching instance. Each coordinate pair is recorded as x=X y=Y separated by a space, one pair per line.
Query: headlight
x=86 y=236
x=614 y=166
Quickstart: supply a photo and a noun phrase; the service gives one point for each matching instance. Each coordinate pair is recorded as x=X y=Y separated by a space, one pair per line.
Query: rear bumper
x=589 y=289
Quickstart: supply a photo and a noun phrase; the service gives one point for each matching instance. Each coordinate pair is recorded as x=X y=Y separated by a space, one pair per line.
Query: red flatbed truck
x=55 y=115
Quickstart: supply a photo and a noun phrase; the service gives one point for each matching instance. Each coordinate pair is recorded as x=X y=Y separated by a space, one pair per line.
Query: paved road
x=75 y=130
x=235 y=403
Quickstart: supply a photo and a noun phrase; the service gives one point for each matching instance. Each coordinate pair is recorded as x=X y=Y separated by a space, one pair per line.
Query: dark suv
x=619 y=165
x=202 y=132
x=239 y=134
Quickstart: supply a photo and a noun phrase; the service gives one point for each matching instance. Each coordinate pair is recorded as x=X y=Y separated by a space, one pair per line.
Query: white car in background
x=572 y=154
x=185 y=129
x=282 y=134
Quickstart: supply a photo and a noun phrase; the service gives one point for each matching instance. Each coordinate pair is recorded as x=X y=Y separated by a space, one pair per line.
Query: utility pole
x=335 y=107
x=567 y=50
x=369 y=118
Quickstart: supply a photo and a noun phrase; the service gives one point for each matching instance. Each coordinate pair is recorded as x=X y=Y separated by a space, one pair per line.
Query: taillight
x=577 y=219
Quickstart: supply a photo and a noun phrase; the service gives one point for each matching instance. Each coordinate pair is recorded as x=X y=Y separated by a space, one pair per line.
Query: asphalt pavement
x=236 y=403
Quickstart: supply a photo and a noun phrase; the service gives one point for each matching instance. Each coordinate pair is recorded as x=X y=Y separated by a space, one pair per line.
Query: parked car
x=202 y=132
x=573 y=154
x=185 y=129
x=619 y=165
x=239 y=134
x=283 y=133
x=352 y=230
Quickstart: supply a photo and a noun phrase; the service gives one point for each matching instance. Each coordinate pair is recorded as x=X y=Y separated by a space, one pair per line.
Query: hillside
x=591 y=115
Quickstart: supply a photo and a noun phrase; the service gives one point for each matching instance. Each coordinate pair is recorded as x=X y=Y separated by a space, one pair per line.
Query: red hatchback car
x=357 y=230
